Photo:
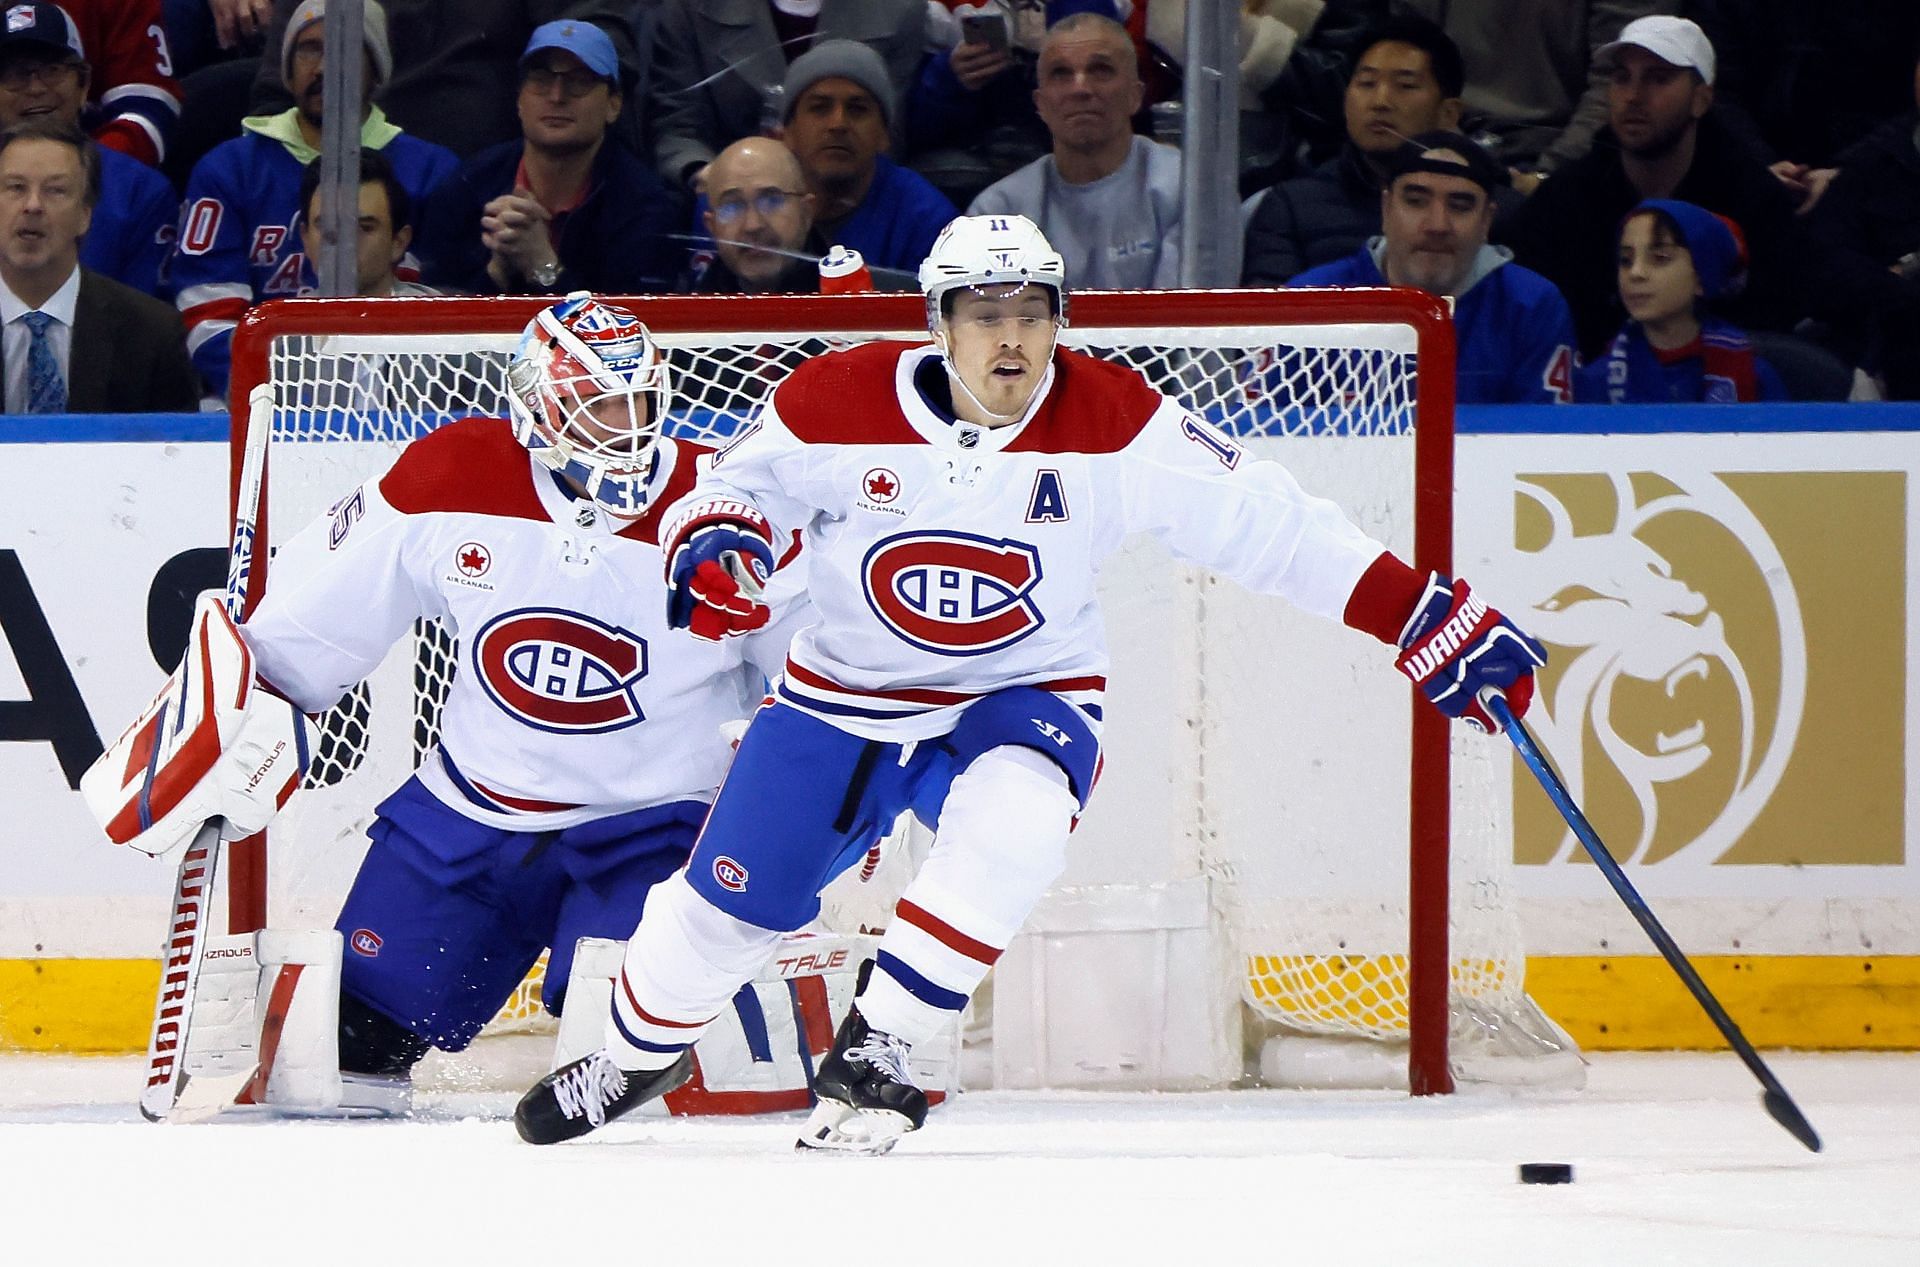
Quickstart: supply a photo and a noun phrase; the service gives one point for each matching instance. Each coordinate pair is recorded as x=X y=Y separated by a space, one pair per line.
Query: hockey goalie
x=579 y=749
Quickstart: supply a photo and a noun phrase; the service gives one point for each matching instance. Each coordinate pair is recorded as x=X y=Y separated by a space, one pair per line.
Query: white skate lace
x=590 y=1089
x=886 y=1053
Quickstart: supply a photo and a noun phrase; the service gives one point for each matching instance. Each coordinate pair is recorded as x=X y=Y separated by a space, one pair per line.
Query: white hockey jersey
x=571 y=699
x=946 y=561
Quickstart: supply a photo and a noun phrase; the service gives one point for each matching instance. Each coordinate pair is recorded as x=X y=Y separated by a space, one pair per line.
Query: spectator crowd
x=1621 y=200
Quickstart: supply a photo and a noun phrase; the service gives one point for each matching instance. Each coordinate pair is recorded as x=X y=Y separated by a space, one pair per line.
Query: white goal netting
x=1289 y=789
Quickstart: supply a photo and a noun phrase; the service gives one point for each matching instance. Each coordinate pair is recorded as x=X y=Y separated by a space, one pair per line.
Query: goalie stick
x=1779 y=1105
x=193 y=884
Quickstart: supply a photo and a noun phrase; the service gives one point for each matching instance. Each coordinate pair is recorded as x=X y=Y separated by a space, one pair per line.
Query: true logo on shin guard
x=729 y=875
x=366 y=942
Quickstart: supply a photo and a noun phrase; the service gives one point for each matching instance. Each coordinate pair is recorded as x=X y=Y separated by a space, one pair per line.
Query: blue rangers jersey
x=1514 y=330
x=239 y=242
x=132 y=228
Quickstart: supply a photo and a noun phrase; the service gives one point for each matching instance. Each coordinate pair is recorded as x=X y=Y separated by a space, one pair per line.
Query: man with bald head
x=760 y=217
x=1108 y=200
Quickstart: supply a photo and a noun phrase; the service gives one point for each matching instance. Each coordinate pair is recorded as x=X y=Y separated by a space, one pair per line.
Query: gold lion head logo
x=1677 y=675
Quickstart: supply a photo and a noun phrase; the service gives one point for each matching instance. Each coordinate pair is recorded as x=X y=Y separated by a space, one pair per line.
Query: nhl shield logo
x=558 y=670
x=953 y=593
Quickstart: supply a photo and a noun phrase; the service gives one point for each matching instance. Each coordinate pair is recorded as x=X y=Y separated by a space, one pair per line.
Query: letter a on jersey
x=1048 y=505
x=560 y=671
x=953 y=593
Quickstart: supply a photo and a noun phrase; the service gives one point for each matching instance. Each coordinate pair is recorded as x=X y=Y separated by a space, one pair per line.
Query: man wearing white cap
x=1663 y=143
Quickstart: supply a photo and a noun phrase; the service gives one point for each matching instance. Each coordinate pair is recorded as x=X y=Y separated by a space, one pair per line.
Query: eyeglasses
x=574 y=83
x=18 y=76
x=767 y=203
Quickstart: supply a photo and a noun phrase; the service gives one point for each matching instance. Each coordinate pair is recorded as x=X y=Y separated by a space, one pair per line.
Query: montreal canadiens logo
x=561 y=671
x=365 y=942
x=729 y=874
x=473 y=559
x=953 y=593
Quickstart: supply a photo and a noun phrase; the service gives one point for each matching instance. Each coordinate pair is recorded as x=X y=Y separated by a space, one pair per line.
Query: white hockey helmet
x=979 y=251
x=572 y=356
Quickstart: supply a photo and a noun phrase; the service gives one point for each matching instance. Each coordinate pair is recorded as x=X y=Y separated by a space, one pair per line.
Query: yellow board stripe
x=77 y=1005
x=1814 y=1002
x=1624 y=1003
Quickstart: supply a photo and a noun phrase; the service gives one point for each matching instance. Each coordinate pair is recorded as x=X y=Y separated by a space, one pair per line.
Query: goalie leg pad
x=299 y=1009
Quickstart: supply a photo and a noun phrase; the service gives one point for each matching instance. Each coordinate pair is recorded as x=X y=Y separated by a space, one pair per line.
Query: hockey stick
x=180 y=973
x=1779 y=1105
x=193 y=884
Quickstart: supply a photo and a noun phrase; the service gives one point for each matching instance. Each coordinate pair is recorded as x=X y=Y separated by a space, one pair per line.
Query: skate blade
x=841 y=1128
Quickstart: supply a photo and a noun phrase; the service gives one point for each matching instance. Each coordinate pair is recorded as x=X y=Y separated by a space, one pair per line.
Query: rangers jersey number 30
x=947 y=560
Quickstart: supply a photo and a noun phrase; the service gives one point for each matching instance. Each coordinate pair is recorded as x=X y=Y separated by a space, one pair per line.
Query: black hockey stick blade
x=1779 y=1105
x=1781 y=1108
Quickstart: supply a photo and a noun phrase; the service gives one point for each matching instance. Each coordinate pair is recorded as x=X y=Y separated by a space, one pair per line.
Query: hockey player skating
x=955 y=501
x=579 y=745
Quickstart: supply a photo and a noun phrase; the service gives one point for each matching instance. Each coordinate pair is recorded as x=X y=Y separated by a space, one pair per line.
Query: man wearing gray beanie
x=239 y=241
x=717 y=67
x=839 y=108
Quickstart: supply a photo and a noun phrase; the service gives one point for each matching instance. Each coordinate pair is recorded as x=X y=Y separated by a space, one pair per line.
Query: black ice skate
x=589 y=1093
x=865 y=1091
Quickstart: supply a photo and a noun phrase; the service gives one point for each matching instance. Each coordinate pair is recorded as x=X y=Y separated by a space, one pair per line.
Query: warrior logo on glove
x=1457 y=650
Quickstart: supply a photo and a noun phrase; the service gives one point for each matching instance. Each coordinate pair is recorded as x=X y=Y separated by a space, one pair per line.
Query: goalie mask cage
x=1371 y=902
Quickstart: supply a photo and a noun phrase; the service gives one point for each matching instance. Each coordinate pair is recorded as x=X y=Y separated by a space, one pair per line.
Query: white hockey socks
x=1002 y=841
x=683 y=965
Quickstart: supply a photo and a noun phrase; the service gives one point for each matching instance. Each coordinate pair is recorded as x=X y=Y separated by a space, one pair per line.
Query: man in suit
x=71 y=340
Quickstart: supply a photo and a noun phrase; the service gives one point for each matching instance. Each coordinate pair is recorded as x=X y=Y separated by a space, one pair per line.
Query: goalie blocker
x=213 y=744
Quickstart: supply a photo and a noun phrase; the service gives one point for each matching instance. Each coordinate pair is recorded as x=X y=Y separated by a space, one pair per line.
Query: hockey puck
x=1546 y=1172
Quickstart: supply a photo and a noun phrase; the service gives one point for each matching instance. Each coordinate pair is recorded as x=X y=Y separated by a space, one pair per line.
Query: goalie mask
x=587 y=389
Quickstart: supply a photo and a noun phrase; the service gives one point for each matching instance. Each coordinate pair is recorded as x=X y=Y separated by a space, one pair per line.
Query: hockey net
x=1356 y=857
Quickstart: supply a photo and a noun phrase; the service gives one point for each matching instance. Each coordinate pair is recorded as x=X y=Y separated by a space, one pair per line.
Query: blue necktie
x=46 y=387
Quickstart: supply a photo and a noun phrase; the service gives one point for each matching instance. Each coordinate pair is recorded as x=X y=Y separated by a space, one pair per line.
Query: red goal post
x=1396 y=349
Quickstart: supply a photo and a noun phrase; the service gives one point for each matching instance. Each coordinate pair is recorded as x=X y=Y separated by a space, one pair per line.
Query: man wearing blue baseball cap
x=567 y=206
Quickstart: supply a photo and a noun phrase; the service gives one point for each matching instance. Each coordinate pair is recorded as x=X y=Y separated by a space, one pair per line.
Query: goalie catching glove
x=213 y=744
x=719 y=556
x=1458 y=650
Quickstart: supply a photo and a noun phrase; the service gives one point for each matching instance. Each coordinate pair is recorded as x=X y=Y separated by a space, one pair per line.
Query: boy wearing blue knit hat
x=1675 y=259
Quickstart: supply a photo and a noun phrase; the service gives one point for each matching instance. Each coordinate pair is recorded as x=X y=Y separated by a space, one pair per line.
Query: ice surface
x=1675 y=1162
